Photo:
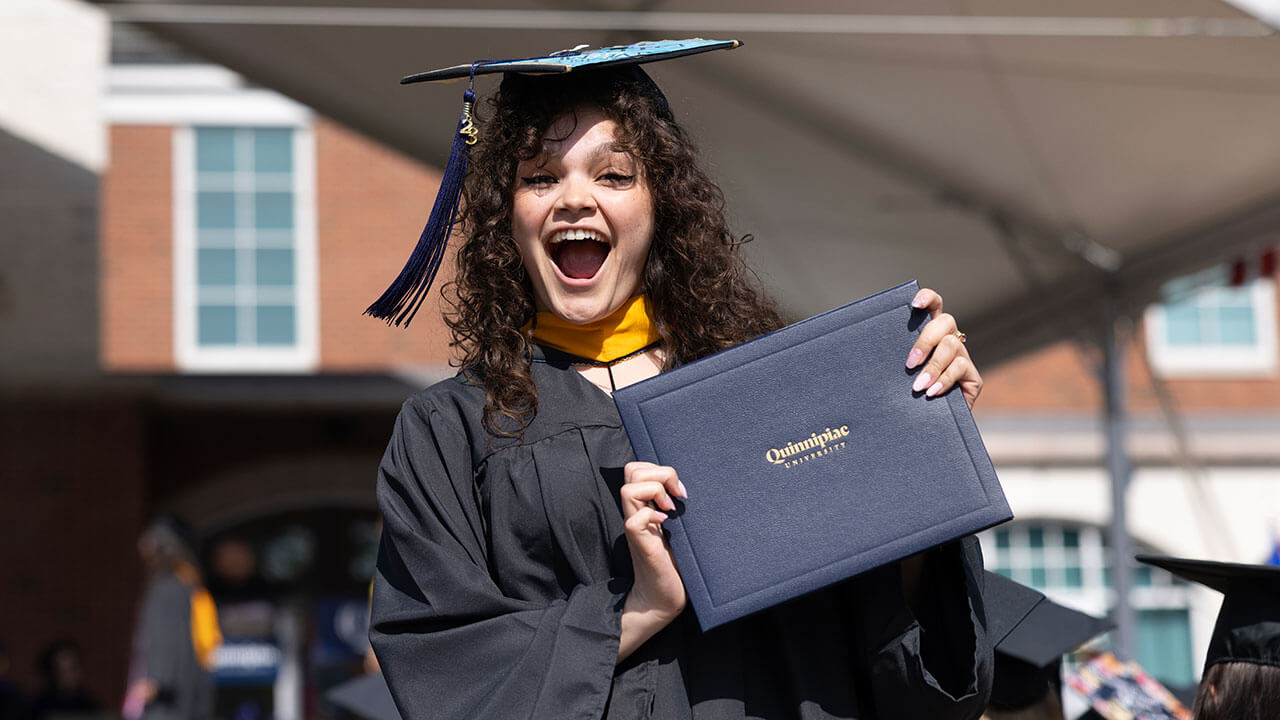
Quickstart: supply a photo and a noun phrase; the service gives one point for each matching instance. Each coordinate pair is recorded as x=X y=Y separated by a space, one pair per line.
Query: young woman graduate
x=523 y=571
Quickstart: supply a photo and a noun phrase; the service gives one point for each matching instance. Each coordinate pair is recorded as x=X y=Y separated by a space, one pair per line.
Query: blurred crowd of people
x=174 y=639
x=62 y=692
x=177 y=632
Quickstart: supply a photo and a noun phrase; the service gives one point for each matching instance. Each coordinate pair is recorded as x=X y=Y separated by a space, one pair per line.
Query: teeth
x=575 y=234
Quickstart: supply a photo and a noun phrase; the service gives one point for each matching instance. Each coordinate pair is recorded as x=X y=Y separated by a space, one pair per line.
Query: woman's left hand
x=942 y=345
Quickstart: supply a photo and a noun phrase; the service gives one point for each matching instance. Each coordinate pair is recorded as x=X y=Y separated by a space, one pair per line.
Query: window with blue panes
x=1201 y=309
x=1042 y=556
x=1070 y=564
x=245 y=218
x=1205 y=326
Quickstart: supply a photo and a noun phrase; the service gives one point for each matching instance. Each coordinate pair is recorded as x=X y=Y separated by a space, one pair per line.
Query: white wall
x=54 y=57
x=1226 y=516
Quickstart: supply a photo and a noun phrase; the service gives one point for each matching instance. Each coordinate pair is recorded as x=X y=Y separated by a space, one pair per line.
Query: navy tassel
x=400 y=302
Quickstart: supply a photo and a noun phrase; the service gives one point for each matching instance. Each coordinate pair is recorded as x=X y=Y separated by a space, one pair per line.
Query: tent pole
x=1119 y=468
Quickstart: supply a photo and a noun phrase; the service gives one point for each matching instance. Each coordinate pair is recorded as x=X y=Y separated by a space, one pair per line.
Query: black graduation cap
x=367 y=696
x=1248 y=627
x=1031 y=633
x=401 y=300
x=169 y=526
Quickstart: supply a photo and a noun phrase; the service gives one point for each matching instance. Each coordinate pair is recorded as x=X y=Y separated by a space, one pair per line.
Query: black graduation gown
x=184 y=689
x=503 y=569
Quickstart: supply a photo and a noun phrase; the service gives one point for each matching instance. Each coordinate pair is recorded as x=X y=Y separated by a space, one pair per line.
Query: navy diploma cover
x=808 y=458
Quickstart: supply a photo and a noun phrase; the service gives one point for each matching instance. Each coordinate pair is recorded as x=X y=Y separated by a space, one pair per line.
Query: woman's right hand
x=657 y=596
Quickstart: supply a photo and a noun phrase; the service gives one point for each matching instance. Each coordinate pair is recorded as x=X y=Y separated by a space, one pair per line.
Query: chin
x=582 y=311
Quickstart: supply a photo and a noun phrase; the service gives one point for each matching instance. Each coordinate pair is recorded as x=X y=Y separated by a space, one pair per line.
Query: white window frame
x=303 y=355
x=200 y=95
x=1094 y=597
x=1258 y=360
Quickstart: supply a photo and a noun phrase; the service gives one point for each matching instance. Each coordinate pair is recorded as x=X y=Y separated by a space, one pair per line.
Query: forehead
x=581 y=131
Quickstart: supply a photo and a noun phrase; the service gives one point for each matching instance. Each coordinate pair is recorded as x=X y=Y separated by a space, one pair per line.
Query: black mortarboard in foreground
x=401 y=300
x=366 y=696
x=1031 y=633
x=1248 y=627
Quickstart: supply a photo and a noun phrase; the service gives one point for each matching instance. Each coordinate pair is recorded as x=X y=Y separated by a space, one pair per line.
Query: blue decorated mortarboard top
x=399 y=302
x=579 y=58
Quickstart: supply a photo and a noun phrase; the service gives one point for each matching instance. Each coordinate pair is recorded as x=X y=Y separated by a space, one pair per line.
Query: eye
x=538 y=180
x=617 y=179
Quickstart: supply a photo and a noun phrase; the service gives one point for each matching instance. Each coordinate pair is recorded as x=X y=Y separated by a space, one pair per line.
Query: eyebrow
x=599 y=153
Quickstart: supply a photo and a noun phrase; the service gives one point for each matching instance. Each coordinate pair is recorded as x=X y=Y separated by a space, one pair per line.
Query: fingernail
x=918 y=302
x=684 y=492
x=661 y=516
x=934 y=389
x=922 y=382
x=914 y=357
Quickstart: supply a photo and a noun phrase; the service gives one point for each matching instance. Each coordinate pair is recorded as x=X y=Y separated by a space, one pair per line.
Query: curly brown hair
x=703 y=295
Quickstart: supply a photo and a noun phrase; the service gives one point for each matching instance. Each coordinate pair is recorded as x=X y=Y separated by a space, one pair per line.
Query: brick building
x=239 y=236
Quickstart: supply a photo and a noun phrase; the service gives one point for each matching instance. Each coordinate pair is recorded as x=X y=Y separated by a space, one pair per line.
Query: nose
x=576 y=195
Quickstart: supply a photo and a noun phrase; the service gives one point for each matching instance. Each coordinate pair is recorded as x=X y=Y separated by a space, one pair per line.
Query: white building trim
x=1213 y=360
x=194 y=95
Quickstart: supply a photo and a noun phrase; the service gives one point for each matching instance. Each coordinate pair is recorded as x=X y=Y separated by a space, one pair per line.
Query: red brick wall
x=1053 y=378
x=371 y=204
x=137 y=250
x=1061 y=378
x=72 y=473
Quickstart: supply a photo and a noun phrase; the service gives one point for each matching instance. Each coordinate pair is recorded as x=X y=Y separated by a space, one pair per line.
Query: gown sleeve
x=936 y=662
x=450 y=643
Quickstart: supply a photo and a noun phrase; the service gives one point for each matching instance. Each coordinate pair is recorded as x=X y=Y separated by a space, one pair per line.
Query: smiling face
x=582 y=218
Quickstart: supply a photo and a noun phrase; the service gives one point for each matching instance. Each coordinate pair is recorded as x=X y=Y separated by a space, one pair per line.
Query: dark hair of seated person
x=1239 y=691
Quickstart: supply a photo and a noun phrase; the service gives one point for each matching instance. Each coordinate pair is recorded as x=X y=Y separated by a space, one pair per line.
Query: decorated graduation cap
x=1031 y=633
x=1248 y=627
x=1121 y=690
x=401 y=300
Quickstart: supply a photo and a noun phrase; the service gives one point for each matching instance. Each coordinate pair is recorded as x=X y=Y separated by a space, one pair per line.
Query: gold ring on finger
x=961 y=336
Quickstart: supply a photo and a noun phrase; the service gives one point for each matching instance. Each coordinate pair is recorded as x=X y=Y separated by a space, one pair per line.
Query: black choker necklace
x=608 y=364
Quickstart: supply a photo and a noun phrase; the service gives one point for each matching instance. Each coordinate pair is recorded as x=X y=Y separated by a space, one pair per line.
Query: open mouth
x=579 y=254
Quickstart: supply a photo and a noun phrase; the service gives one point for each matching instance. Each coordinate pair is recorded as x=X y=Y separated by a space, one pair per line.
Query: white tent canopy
x=1018 y=159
